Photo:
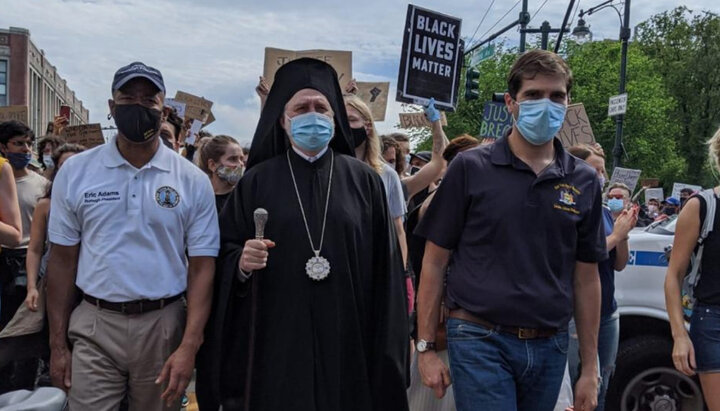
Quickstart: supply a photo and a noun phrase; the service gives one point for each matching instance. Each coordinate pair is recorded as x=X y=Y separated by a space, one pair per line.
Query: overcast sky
x=215 y=48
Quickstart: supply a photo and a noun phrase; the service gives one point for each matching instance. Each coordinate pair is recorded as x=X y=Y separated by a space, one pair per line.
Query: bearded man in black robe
x=313 y=317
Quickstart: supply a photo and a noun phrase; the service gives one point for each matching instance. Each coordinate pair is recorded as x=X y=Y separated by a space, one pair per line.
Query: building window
x=3 y=82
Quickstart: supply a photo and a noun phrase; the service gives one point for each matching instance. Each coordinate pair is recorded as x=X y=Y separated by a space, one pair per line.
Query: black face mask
x=136 y=122
x=359 y=136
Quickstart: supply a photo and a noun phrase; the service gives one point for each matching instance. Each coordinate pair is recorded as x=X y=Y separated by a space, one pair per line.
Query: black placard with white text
x=431 y=58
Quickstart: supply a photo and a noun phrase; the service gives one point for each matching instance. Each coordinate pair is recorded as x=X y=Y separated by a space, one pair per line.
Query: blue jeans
x=608 y=340
x=497 y=371
x=705 y=336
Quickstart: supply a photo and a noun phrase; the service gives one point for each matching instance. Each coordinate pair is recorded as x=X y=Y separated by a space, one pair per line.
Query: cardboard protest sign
x=18 y=113
x=88 y=135
x=576 y=128
x=210 y=119
x=656 y=193
x=340 y=60
x=496 y=121
x=627 y=176
x=650 y=182
x=196 y=108
x=411 y=120
x=375 y=95
x=177 y=105
x=431 y=58
x=677 y=187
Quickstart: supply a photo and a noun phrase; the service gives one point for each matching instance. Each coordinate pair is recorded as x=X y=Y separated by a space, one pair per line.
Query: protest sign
x=88 y=135
x=340 y=60
x=375 y=95
x=677 y=187
x=656 y=193
x=194 y=130
x=177 y=105
x=650 y=182
x=627 y=176
x=496 y=121
x=196 y=108
x=431 y=58
x=411 y=120
x=576 y=128
x=18 y=113
x=210 y=119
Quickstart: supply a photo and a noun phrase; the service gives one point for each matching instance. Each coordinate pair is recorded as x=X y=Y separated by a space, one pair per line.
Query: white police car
x=645 y=378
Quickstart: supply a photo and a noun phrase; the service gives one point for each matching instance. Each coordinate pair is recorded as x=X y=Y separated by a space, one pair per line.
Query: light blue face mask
x=312 y=131
x=615 y=205
x=539 y=120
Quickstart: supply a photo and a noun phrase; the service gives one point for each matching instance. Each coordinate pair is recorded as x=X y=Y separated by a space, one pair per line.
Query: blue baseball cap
x=672 y=200
x=135 y=70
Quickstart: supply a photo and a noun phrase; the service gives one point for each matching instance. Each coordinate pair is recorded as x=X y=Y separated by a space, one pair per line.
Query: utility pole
x=624 y=37
x=544 y=31
x=523 y=19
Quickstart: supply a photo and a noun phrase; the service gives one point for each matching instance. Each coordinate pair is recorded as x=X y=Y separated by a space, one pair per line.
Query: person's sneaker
x=185 y=401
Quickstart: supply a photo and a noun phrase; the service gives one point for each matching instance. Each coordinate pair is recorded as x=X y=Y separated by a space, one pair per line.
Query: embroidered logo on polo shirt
x=566 y=198
x=167 y=197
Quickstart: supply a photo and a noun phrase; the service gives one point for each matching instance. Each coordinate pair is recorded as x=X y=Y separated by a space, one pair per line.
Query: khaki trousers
x=114 y=355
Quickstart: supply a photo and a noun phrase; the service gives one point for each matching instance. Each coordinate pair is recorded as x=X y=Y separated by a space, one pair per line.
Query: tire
x=645 y=379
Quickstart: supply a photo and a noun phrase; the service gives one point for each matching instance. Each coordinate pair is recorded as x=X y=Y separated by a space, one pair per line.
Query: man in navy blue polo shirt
x=516 y=226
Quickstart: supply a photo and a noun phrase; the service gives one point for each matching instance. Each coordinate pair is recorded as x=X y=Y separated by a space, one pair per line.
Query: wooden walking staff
x=261 y=217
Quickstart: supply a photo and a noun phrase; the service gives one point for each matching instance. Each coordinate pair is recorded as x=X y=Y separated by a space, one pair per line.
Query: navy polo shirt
x=515 y=236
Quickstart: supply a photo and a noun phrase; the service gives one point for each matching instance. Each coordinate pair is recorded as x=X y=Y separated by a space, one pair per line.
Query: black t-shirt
x=515 y=236
x=220 y=200
x=708 y=287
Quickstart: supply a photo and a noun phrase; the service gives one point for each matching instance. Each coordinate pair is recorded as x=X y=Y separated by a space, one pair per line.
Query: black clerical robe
x=336 y=344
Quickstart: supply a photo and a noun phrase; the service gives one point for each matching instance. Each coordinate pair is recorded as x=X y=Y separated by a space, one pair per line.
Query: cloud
x=215 y=48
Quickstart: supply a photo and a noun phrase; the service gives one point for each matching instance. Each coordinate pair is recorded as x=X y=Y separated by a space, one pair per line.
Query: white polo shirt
x=133 y=225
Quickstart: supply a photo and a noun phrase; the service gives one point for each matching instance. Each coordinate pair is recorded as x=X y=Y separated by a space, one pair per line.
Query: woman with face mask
x=367 y=149
x=221 y=158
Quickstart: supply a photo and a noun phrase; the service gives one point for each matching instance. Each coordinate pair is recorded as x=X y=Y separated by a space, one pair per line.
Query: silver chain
x=327 y=203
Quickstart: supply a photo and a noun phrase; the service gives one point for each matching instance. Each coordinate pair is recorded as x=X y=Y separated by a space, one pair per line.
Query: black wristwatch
x=424 y=346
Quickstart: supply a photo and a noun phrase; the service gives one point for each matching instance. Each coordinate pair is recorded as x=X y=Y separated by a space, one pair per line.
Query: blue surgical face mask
x=615 y=205
x=19 y=160
x=312 y=131
x=539 y=120
x=602 y=181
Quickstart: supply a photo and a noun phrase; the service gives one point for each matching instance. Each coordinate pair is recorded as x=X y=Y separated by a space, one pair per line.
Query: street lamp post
x=583 y=32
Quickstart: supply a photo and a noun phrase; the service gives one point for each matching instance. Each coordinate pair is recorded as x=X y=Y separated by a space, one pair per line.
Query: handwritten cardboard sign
x=576 y=129
x=340 y=60
x=496 y=121
x=627 y=176
x=431 y=58
x=656 y=193
x=196 y=108
x=88 y=135
x=177 y=105
x=412 y=120
x=18 y=113
x=650 y=182
x=375 y=95
x=677 y=187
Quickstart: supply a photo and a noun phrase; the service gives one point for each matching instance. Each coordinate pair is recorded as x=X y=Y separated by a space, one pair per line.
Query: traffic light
x=472 y=84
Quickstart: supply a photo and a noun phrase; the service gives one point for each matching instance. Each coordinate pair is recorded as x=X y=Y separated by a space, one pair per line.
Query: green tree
x=648 y=133
x=685 y=50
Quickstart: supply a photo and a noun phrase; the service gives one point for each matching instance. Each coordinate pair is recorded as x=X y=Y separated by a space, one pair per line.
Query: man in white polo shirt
x=123 y=215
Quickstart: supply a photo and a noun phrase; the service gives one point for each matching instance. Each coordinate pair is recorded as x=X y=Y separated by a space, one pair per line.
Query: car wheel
x=645 y=379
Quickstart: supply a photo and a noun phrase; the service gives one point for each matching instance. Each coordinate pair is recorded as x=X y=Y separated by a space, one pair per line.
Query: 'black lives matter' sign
x=431 y=58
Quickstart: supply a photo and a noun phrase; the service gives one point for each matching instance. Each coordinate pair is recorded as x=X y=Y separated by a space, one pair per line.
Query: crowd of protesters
x=507 y=252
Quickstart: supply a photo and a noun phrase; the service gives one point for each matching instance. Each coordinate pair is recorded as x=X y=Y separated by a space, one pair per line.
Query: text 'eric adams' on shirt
x=515 y=236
